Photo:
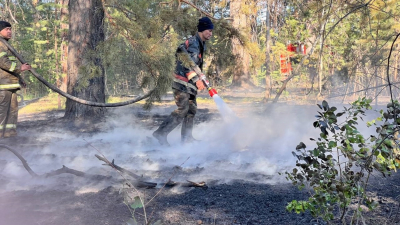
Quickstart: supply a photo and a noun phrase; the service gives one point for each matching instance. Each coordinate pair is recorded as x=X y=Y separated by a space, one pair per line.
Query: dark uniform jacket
x=185 y=78
x=10 y=67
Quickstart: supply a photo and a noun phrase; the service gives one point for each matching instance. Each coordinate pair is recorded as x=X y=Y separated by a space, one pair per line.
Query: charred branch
x=189 y=183
x=138 y=182
x=30 y=171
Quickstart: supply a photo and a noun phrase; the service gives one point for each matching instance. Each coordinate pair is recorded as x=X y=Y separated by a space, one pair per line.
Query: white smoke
x=254 y=147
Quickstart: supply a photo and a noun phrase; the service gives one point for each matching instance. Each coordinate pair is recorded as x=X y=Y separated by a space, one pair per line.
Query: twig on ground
x=64 y=169
x=139 y=180
x=30 y=171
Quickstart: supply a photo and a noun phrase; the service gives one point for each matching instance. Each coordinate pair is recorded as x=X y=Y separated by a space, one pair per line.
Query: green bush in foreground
x=338 y=168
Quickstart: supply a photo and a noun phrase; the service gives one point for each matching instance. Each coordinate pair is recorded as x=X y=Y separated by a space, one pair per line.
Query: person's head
x=5 y=30
x=205 y=28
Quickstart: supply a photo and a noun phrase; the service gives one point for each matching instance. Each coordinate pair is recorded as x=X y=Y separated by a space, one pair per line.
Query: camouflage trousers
x=187 y=108
x=187 y=105
x=8 y=113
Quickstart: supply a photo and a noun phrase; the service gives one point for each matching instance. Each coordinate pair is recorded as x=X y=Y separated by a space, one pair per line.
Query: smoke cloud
x=253 y=146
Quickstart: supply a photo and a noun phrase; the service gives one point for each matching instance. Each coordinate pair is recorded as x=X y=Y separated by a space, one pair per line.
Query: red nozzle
x=212 y=92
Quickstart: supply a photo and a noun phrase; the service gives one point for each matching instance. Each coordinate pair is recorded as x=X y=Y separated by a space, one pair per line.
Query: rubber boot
x=165 y=128
x=186 y=132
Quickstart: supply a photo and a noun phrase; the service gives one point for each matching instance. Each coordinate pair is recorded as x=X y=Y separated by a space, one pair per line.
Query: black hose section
x=73 y=98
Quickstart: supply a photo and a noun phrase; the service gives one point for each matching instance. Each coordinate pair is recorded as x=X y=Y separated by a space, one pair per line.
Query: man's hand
x=200 y=85
x=25 y=66
x=202 y=76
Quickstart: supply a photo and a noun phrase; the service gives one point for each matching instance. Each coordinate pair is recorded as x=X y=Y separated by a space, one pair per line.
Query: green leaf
x=136 y=203
x=339 y=114
x=41 y=42
x=332 y=144
x=325 y=105
x=300 y=146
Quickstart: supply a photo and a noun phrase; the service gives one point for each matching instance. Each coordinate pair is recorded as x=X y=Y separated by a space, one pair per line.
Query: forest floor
x=239 y=162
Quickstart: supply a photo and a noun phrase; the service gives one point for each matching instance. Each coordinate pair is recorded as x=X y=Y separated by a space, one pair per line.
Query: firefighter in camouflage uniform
x=185 y=85
x=10 y=83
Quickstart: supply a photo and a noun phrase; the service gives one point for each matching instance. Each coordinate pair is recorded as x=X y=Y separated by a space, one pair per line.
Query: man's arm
x=12 y=65
x=7 y=62
x=193 y=73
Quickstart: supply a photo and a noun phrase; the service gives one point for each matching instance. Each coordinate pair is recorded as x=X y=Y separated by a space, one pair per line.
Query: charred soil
x=248 y=198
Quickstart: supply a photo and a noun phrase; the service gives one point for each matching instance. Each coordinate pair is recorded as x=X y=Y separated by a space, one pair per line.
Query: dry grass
x=44 y=104
x=50 y=102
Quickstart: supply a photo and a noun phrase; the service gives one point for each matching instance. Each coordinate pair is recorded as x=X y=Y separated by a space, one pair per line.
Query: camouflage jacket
x=185 y=78
x=10 y=68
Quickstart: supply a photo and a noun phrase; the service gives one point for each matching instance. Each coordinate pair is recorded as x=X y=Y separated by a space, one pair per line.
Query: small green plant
x=338 y=168
x=133 y=204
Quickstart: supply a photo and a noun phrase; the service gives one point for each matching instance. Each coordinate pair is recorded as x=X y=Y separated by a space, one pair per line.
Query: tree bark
x=241 y=74
x=62 y=78
x=86 y=31
x=268 y=82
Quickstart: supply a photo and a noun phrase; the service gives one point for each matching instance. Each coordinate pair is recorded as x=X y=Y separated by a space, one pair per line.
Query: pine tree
x=85 y=70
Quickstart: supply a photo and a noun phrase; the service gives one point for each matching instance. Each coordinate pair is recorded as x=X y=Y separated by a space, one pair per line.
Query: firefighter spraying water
x=187 y=81
x=226 y=113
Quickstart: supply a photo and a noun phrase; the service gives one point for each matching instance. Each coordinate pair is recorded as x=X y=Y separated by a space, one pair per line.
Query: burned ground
x=243 y=185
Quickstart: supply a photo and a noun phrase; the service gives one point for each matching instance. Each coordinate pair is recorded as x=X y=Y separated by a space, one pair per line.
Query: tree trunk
x=321 y=62
x=64 y=45
x=86 y=31
x=376 y=85
x=56 y=53
x=241 y=74
x=396 y=64
x=267 y=54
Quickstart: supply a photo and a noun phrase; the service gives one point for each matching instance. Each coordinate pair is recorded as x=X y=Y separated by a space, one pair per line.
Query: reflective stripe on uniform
x=13 y=65
x=9 y=86
x=3 y=54
x=12 y=58
x=191 y=74
x=184 y=83
x=9 y=126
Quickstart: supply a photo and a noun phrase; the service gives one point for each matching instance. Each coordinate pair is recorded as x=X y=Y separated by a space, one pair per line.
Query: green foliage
x=338 y=167
x=142 y=36
x=136 y=203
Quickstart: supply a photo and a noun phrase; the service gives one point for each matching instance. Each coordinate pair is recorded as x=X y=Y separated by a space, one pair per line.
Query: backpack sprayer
x=211 y=90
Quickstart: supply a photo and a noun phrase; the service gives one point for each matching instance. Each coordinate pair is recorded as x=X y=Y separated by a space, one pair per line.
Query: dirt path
x=239 y=163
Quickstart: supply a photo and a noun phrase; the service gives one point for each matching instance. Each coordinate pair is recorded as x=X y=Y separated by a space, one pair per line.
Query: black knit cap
x=205 y=24
x=4 y=24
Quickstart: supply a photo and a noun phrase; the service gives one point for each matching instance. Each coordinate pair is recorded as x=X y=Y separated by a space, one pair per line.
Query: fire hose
x=73 y=98
x=196 y=69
